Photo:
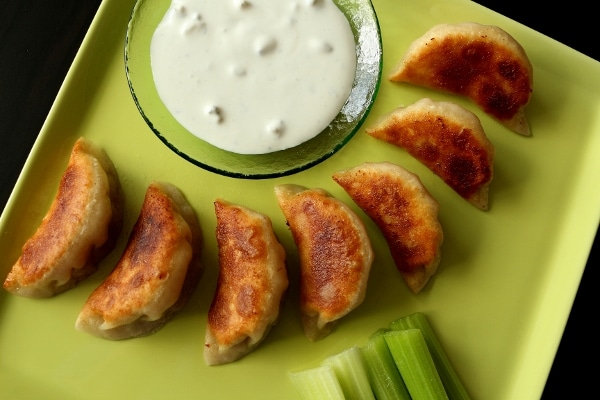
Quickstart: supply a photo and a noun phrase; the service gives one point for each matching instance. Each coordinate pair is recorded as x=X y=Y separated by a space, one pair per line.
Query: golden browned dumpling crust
x=404 y=211
x=335 y=256
x=448 y=139
x=481 y=62
x=78 y=231
x=156 y=273
x=251 y=284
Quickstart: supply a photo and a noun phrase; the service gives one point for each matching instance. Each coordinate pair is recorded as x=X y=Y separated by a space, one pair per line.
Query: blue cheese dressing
x=253 y=76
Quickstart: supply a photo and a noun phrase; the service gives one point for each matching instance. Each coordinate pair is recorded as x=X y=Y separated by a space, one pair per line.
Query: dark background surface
x=39 y=39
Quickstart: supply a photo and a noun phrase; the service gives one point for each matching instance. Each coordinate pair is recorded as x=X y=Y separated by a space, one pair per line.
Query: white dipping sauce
x=253 y=76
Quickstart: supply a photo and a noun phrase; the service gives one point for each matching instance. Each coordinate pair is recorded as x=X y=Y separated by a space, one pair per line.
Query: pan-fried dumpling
x=404 y=211
x=446 y=138
x=481 y=62
x=251 y=285
x=156 y=274
x=335 y=256
x=80 y=228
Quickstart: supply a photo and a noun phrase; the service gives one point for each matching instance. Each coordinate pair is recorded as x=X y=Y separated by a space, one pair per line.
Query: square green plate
x=499 y=301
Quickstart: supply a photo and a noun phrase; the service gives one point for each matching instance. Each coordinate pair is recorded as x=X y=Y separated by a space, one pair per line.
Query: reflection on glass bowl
x=144 y=19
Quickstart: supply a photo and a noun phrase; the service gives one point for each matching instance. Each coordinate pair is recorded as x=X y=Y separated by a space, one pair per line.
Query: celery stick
x=351 y=373
x=317 y=383
x=386 y=382
x=412 y=357
x=379 y=332
x=452 y=382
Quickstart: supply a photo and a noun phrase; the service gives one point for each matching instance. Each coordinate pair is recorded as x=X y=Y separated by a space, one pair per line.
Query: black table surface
x=39 y=39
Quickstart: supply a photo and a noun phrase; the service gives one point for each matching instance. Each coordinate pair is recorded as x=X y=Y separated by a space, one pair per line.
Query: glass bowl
x=144 y=19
